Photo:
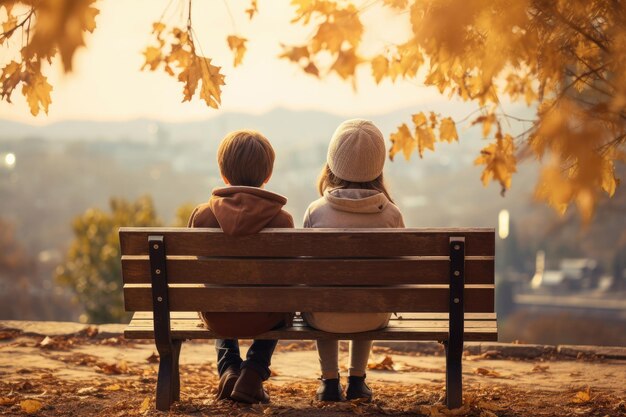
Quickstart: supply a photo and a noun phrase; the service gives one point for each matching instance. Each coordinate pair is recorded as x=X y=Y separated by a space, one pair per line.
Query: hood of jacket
x=354 y=200
x=242 y=210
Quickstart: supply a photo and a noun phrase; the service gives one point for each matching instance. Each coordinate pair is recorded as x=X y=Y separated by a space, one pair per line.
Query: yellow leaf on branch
x=186 y=65
x=238 y=46
x=380 y=66
x=10 y=77
x=499 y=160
x=402 y=141
x=60 y=27
x=295 y=53
x=346 y=63
x=424 y=134
x=253 y=9
x=37 y=90
x=447 y=130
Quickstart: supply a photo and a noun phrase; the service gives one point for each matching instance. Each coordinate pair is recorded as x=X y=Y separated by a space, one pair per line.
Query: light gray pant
x=328 y=351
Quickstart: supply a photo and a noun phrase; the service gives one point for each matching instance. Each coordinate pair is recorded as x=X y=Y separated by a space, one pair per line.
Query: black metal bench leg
x=454 y=344
x=454 y=382
x=165 y=382
x=177 y=344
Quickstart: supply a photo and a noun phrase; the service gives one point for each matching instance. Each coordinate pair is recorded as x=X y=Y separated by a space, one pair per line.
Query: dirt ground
x=87 y=374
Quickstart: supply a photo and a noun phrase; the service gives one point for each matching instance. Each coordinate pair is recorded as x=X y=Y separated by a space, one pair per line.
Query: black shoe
x=357 y=388
x=330 y=390
x=227 y=382
x=249 y=388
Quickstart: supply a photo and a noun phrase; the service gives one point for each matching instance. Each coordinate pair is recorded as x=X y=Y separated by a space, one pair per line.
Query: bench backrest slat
x=478 y=299
x=321 y=243
x=310 y=271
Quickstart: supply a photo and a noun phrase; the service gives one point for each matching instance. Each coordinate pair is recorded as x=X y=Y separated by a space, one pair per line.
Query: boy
x=243 y=207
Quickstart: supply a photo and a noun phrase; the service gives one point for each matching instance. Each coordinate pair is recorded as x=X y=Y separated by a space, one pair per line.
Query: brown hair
x=328 y=180
x=245 y=157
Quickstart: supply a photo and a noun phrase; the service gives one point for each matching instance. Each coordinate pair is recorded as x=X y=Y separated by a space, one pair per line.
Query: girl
x=353 y=195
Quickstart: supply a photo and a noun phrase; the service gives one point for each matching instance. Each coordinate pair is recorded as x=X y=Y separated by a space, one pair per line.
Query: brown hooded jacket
x=240 y=211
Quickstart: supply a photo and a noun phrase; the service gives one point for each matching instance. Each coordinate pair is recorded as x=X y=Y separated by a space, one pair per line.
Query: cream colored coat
x=351 y=208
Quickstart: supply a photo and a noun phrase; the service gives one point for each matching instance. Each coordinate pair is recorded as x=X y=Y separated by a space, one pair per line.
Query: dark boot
x=357 y=388
x=330 y=390
x=227 y=382
x=249 y=388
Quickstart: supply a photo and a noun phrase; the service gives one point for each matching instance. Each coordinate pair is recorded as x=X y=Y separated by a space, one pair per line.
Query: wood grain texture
x=409 y=298
x=324 y=243
x=141 y=328
x=410 y=270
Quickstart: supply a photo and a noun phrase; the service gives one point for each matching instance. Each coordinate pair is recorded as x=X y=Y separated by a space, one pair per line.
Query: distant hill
x=281 y=125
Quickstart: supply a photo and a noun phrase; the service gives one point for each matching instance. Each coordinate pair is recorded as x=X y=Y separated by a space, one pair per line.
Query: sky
x=107 y=83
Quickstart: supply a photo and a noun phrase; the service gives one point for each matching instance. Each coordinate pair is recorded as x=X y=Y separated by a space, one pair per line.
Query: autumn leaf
x=447 y=130
x=582 y=397
x=402 y=140
x=311 y=68
x=238 y=46
x=253 y=9
x=37 y=91
x=346 y=63
x=60 y=27
x=10 y=77
x=145 y=405
x=487 y=372
x=380 y=65
x=30 y=406
x=212 y=80
x=386 y=364
x=499 y=160
x=153 y=57
x=192 y=69
x=424 y=134
x=295 y=53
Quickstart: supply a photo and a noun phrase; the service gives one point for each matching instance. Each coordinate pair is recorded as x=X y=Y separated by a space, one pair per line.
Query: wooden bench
x=444 y=277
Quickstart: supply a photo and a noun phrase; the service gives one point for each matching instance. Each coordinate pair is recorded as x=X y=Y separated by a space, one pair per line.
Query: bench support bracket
x=168 y=382
x=454 y=345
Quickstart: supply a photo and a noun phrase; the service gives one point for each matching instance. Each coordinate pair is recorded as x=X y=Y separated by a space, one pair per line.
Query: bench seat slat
x=192 y=315
x=326 y=243
x=397 y=330
x=410 y=270
x=178 y=323
x=409 y=298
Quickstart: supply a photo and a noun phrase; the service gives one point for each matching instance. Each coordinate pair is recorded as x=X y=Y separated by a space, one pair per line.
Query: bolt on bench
x=442 y=277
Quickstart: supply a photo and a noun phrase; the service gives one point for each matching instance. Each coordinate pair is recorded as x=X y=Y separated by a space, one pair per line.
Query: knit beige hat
x=357 y=151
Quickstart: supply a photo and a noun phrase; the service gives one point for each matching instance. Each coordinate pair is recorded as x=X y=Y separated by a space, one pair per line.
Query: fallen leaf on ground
x=114 y=368
x=113 y=387
x=30 y=406
x=541 y=368
x=145 y=405
x=487 y=413
x=154 y=358
x=582 y=397
x=487 y=372
x=386 y=364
